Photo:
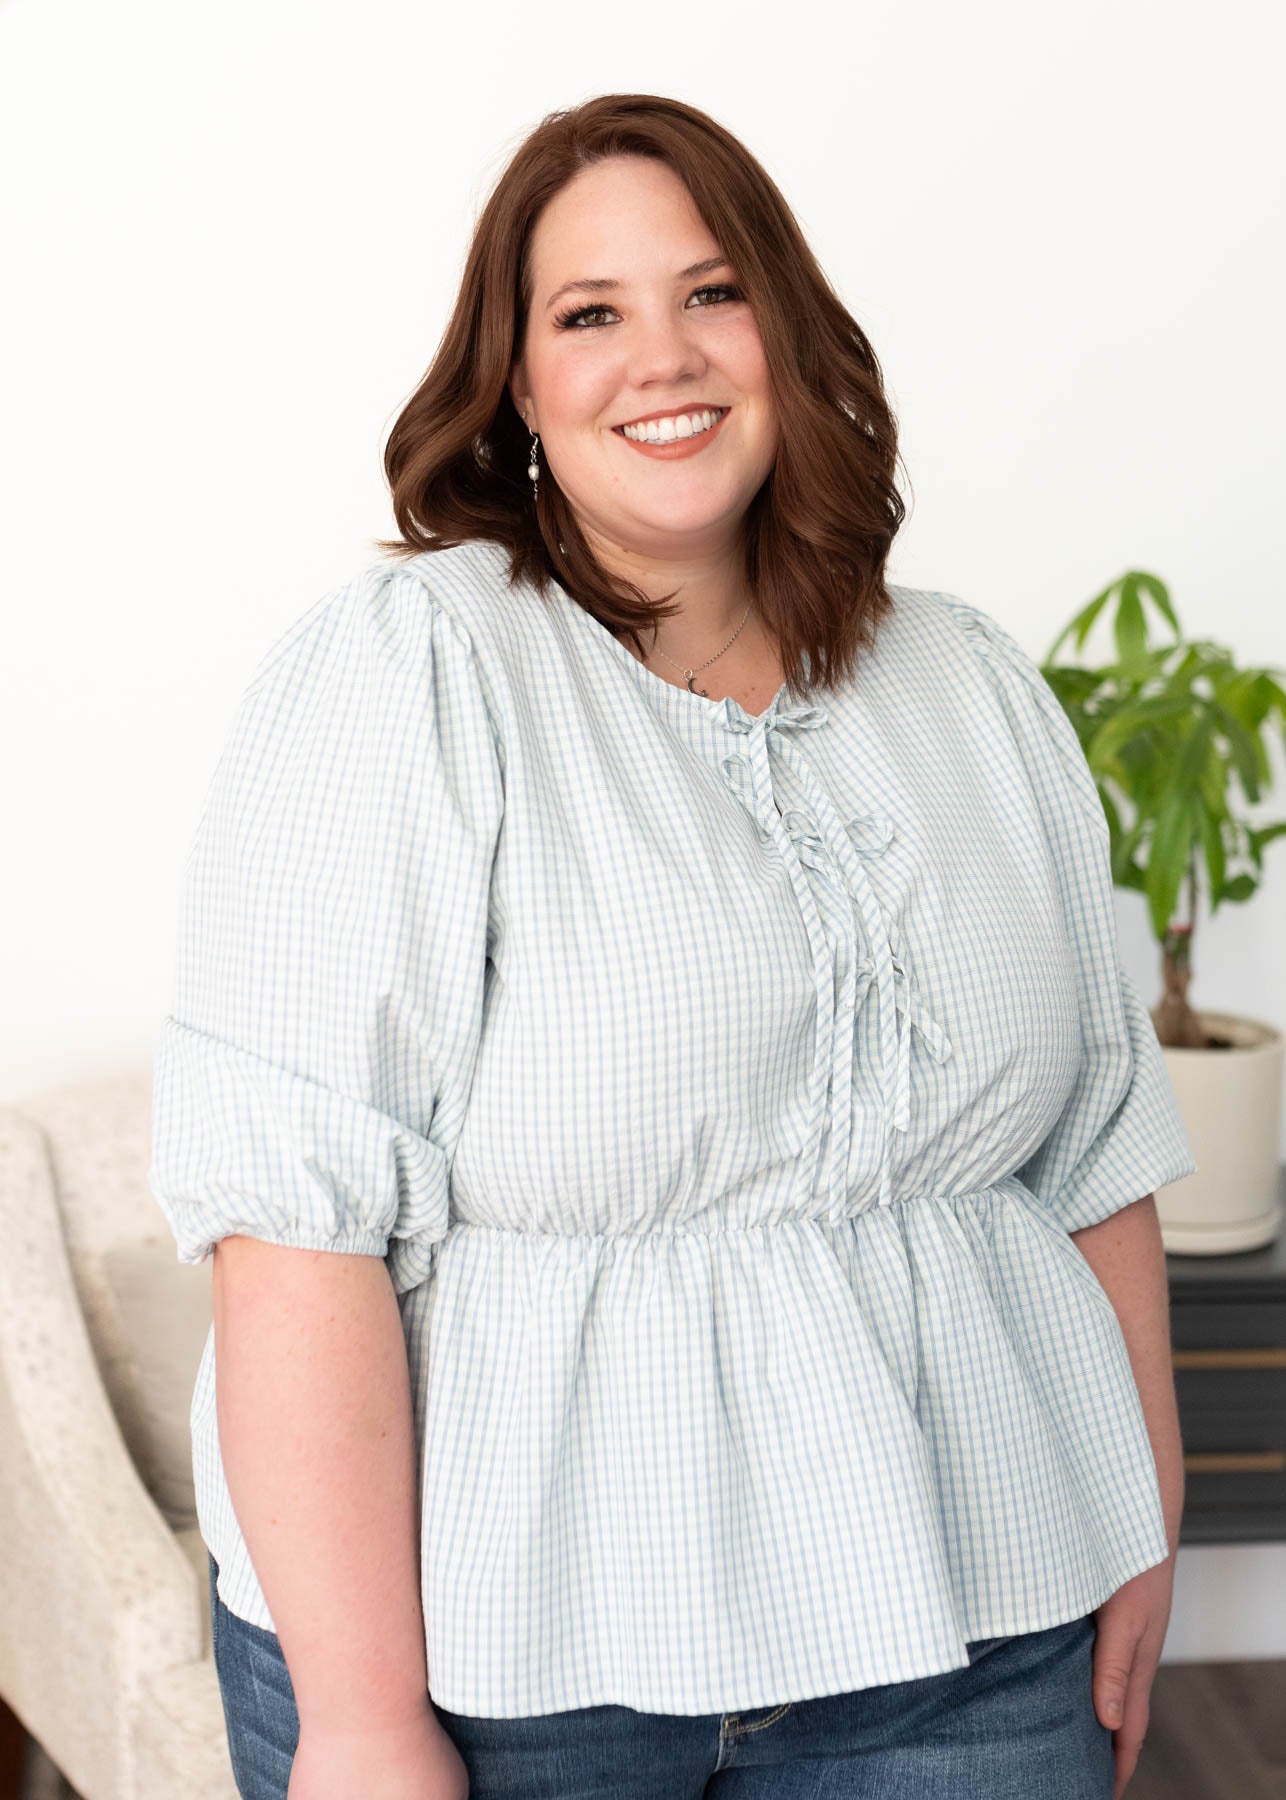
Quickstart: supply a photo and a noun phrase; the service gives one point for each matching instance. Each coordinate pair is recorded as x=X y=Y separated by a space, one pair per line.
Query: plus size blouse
x=720 y=1091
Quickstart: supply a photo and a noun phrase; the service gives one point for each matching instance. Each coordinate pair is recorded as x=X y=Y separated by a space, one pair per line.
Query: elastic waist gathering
x=1007 y=1185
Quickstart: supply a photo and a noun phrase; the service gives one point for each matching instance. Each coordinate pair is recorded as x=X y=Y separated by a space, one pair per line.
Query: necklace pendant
x=692 y=684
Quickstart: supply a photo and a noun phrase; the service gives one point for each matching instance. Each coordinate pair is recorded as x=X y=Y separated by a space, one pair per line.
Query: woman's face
x=653 y=339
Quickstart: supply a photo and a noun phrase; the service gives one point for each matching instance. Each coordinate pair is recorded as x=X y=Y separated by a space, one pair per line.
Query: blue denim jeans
x=1017 y=1722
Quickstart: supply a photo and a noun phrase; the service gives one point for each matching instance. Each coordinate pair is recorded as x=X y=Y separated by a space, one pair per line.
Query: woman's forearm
x=315 y=1429
x=1126 y=1254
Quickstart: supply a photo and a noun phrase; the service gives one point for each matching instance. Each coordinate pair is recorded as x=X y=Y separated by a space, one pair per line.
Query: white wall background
x=234 y=232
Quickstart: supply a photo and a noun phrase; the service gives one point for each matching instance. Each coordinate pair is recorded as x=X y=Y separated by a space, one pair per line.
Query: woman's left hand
x=1131 y=1630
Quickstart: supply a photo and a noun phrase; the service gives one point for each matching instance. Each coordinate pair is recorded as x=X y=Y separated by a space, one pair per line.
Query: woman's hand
x=414 y=1759
x=1131 y=1630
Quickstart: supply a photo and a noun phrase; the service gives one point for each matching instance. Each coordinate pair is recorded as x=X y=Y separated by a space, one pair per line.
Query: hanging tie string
x=827 y=842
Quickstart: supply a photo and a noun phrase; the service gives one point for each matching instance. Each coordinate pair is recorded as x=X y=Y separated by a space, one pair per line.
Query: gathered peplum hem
x=719 y=1469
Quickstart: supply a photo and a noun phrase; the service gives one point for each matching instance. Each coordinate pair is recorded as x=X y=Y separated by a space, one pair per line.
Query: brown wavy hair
x=818 y=531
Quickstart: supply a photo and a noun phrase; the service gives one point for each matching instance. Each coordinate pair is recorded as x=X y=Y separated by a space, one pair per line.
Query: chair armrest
x=180 y=1738
x=96 y=1593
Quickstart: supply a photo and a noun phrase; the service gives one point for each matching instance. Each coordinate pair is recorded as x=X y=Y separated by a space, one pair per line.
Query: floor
x=1217 y=1732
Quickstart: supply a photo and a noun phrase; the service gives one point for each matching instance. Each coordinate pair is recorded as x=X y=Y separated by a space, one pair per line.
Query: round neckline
x=648 y=679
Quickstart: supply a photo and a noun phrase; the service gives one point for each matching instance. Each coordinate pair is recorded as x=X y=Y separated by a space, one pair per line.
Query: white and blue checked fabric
x=721 y=1091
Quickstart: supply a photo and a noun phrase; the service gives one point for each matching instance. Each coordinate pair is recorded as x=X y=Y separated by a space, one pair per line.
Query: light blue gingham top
x=720 y=1091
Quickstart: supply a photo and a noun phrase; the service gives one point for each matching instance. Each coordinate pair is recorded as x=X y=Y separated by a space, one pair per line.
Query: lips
x=676 y=448
x=672 y=412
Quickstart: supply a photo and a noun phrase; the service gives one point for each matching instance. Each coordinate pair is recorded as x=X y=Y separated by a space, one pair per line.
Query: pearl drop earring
x=533 y=467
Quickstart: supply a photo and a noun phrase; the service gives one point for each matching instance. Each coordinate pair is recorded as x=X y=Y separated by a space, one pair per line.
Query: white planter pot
x=1231 y=1101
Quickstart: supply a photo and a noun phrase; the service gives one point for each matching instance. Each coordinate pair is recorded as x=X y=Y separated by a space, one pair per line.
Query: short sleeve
x=312 y=1075
x=1120 y=1134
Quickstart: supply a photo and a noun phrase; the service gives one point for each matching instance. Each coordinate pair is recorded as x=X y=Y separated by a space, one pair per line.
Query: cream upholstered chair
x=104 y=1599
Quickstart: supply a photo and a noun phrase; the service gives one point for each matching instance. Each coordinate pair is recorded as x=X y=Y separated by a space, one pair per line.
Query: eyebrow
x=603 y=284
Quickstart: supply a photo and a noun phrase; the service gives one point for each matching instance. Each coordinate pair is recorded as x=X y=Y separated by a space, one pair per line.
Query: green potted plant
x=1169 y=733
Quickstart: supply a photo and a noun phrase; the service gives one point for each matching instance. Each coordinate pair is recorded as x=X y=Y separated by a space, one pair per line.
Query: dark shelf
x=1228 y=1329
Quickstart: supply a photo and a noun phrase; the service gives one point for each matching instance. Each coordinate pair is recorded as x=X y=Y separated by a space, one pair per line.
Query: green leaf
x=1241 y=887
x=1130 y=627
x=1264 y=834
x=1168 y=861
x=1081 y=623
x=1157 y=591
x=1216 y=861
x=1247 y=752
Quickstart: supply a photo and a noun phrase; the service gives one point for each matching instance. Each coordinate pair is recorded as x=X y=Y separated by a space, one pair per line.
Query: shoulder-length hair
x=818 y=531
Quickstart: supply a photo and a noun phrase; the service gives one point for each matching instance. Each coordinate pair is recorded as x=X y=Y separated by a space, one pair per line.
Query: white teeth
x=666 y=431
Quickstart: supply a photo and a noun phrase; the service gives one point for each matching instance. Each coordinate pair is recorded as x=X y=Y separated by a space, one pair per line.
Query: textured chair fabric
x=104 y=1604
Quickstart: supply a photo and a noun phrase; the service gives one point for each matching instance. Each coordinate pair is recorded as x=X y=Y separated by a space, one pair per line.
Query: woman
x=648 y=1033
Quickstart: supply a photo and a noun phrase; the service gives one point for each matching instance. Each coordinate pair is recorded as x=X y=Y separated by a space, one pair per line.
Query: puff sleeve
x=312 y=1075
x=1120 y=1134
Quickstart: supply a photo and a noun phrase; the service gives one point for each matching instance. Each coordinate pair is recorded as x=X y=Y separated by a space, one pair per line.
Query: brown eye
x=572 y=320
x=721 y=288
x=566 y=319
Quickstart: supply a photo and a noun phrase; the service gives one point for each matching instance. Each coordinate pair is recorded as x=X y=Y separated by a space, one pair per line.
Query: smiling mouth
x=677 y=428
x=676 y=447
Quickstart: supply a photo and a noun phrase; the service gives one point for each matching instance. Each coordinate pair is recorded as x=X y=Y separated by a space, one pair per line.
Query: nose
x=663 y=347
